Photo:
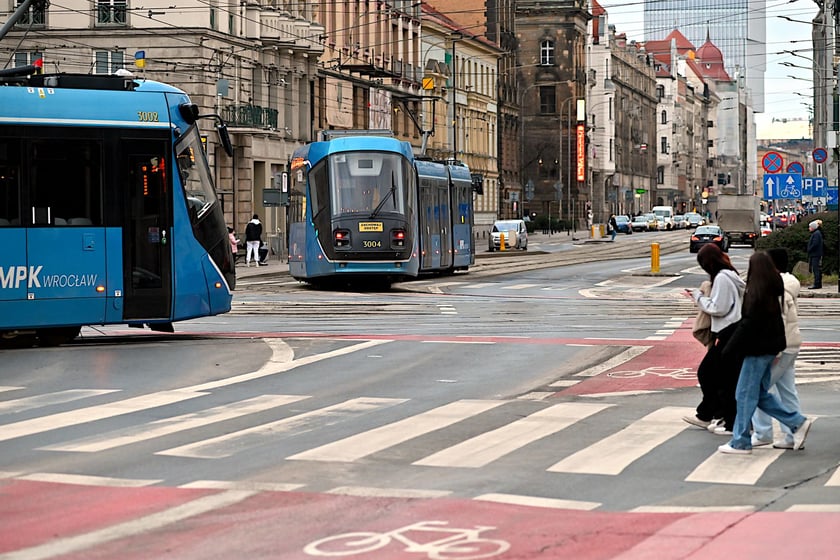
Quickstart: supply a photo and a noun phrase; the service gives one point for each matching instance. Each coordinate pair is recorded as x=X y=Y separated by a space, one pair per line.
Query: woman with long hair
x=718 y=377
x=759 y=338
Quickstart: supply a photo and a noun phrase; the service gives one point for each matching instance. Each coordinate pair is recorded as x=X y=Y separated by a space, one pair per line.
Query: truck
x=738 y=216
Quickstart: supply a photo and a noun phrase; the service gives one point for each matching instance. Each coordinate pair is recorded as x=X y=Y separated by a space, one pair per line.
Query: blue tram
x=362 y=207
x=108 y=214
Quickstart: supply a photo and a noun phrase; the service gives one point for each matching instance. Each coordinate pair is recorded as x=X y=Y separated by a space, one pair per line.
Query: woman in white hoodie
x=782 y=372
x=718 y=377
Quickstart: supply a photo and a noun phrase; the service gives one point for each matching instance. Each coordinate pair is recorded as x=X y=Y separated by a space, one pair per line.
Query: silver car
x=515 y=232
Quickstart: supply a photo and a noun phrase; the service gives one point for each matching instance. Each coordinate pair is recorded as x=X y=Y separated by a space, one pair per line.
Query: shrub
x=795 y=239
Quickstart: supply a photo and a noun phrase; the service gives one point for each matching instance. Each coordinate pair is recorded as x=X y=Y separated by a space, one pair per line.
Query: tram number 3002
x=147 y=116
x=371 y=244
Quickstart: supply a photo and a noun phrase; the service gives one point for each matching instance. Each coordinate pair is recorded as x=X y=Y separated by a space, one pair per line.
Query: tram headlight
x=341 y=238
x=398 y=239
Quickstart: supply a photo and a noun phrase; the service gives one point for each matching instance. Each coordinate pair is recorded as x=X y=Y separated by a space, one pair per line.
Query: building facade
x=736 y=26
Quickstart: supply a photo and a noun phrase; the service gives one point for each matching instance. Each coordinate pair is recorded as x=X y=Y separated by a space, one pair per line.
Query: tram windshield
x=368 y=183
x=195 y=175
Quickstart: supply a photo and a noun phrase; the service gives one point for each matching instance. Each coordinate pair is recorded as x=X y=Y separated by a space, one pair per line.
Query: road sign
x=641 y=191
x=814 y=186
x=831 y=193
x=782 y=185
x=795 y=167
x=819 y=155
x=772 y=162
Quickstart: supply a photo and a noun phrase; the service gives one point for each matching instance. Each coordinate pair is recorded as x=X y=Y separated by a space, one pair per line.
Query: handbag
x=702 y=328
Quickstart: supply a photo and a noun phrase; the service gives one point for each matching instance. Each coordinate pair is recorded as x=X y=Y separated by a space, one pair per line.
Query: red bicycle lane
x=158 y=522
x=666 y=364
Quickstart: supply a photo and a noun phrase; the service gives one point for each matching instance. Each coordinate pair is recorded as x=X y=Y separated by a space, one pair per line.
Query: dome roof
x=709 y=59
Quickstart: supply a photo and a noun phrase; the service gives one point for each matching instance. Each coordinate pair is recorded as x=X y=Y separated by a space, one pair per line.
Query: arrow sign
x=782 y=185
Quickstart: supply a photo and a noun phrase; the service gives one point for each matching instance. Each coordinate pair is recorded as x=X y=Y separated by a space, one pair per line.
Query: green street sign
x=641 y=191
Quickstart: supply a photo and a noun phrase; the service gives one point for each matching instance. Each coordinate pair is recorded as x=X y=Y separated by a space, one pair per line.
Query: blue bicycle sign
x=782 y=186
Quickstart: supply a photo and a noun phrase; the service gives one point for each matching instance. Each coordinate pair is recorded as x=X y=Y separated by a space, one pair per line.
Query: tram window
x=65 y=181
x=9 y=184
x=198 y=185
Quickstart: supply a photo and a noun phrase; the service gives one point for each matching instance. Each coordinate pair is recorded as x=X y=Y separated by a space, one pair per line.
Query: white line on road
x=49 y=399
x=615 y=361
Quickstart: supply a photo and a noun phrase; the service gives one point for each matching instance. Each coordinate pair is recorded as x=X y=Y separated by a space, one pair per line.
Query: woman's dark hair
x=764 y=286
x=713 y=260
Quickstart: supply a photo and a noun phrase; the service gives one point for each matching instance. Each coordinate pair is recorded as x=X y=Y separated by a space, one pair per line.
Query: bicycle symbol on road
x=674 y=373
x=461 y=544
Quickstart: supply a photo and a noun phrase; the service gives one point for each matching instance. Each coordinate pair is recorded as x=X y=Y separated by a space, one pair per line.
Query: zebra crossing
x=363 y=428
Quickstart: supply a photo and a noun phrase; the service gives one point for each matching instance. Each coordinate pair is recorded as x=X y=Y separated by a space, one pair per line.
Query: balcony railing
x=250 y=116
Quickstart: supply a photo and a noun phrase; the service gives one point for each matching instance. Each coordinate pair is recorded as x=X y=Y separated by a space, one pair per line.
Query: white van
x=664 y=214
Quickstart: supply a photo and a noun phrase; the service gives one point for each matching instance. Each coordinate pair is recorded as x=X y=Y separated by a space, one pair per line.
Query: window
x=108 y=62
x=710 y=143
x=660 y=175
x=111 y=12
x=660 y=92
x=664 y=117
x=710 y=124
x=26 y=58
x=548 y=100
x=663 y=145
x=35 y=16
x=547 y=53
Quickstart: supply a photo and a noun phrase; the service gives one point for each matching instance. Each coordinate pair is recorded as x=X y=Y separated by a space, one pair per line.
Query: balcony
x=250 y=116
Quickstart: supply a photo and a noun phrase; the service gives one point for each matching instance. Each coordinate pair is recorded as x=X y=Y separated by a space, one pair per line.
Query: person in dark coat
x=253 y=237
x=759 y=338
x=815 y=253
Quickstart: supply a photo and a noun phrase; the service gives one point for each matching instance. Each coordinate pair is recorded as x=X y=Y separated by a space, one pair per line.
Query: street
x=512 y=413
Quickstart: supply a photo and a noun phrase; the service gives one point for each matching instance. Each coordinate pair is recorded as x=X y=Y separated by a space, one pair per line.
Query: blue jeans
x=751 y=393
x=783 y=385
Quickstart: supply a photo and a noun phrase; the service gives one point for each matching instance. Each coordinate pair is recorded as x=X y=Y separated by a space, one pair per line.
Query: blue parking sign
x=820 y=186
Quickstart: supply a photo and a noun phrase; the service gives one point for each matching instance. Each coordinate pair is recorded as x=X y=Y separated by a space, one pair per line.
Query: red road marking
x=282 y=524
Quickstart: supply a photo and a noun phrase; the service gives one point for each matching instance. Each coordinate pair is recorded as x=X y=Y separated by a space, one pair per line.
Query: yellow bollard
x=654 y=258
x=501 y=242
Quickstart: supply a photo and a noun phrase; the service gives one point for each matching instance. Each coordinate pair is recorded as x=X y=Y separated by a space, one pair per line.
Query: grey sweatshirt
x=724 y=303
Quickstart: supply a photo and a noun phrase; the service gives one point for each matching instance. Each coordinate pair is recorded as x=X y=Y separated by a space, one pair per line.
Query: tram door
x=147 y=243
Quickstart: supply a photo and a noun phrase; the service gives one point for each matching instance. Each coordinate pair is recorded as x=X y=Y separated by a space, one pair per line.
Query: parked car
x=639 y=223
x=653 y=221
x=622 y=223
x=765 y=228
x=680 y=222
x=708 y=234
x=695 y=219
x=784 y=219
x=515 y=232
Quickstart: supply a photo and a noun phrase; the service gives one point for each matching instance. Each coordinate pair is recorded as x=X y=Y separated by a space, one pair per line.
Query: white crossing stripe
x=519 y=286
x=615 y=361
x=722 y=468
x=93 y=413
x=535 y=501
x=228 y=444
x=370 y=492
x=490 y=446
x=613 y=454
x=3 y=389
x=369 y=442
x=835 y=479
x=49 y=399
x=166 y=426
x=89 y=480
x=249 y=485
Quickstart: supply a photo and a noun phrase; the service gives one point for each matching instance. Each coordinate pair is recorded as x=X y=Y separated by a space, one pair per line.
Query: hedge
x=795 y=239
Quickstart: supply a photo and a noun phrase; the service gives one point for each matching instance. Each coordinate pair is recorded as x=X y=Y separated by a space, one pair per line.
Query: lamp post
x=455 y=36
x=581 y=117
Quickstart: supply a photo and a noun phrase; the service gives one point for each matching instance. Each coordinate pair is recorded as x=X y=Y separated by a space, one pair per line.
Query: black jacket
x=757 y=334
x=815 y=244
x=253 y=231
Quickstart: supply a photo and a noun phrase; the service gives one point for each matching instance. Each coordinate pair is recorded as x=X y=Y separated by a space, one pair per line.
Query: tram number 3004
x=370 y=244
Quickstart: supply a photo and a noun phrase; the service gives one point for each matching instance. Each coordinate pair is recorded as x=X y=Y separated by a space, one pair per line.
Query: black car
x=623 y=224
x=708 y=234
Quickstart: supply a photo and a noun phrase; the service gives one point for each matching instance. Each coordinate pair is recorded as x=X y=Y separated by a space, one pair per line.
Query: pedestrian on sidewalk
x=759 y=338
x=783 y=369
x=815 y=253
x=234 y=243
x=717 y=376
x=253 y=237
x=613 y=227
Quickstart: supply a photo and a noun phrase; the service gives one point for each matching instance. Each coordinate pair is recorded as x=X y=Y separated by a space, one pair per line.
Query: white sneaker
x=695 y=421
x=756 y=442
x=722 y=431
x=801 y=433
x=784 y=445
x=726 y=448
x=714 y=424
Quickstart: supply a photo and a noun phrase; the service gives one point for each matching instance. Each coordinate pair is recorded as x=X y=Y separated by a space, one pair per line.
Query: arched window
x=547 y=53
x=664 y=117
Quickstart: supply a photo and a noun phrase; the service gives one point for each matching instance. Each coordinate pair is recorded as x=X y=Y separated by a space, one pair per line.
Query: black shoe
x=815 y=287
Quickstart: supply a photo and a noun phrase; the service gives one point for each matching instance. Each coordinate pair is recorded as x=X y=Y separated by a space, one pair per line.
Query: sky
x=786 y=115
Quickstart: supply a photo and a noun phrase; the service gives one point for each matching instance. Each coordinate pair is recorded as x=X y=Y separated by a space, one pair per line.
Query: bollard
x=501 y=242
x=654 y=258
